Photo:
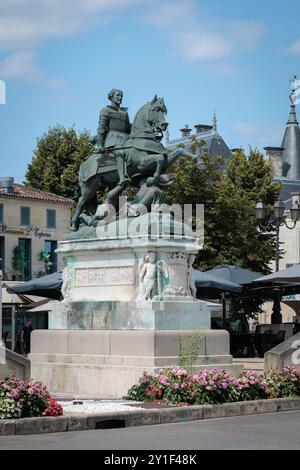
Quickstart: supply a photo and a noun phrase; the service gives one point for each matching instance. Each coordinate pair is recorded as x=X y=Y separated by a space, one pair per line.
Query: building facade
x=214 y=142
x=286 y=168
x=31 y=224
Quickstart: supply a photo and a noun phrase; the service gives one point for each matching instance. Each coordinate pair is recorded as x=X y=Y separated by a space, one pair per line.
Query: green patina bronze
x=126 y=154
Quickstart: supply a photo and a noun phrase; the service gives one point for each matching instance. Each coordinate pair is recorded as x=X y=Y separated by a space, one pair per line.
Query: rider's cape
x=89 y=168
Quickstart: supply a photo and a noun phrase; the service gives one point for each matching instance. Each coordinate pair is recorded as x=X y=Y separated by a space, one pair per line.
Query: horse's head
x=157 y=115
x=150 y=121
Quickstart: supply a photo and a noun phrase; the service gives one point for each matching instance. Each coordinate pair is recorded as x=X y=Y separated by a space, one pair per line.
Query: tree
x=18 y=261
x=45 y=257
x=56 y=161
x=229 y=191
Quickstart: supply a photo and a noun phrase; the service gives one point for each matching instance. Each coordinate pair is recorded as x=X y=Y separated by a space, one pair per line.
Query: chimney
x=275 y=157
x=186 y=132
x=203 y=128
x=7 y=184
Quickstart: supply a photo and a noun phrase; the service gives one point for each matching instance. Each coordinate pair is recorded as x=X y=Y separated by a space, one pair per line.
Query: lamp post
x=277 y=219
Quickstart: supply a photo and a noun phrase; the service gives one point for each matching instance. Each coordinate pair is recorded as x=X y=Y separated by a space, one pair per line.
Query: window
x=25 y=216
x=51 y=218
x=50 y=247
x=1 y=213
x=26 y=268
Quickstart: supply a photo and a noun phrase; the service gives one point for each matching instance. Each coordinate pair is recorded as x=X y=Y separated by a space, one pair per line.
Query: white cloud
x=20 y=64
x=23 y=65
x=207 y=45
x=197 y=39
x=295 y=47
x=26 y=24
x=246 y=34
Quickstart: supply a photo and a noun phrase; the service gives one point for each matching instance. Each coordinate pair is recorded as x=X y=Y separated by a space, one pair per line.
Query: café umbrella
x=47 y=286
x=235 y=274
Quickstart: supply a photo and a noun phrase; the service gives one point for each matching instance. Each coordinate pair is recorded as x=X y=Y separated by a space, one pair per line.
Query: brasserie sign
x=25 y=231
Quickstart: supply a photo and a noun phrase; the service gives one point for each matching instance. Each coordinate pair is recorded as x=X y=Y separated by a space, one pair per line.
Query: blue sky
x=59 y=58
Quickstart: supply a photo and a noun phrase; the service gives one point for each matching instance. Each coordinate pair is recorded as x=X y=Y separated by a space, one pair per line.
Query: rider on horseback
x=113 y=132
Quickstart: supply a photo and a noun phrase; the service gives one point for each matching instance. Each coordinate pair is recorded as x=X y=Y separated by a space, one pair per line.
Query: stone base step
x=251 y=363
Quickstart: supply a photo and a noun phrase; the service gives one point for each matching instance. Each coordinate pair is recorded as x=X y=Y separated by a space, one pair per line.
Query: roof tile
x=27 y=192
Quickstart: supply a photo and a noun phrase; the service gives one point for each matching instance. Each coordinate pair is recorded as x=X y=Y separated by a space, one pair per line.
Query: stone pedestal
x=105 y=363
x=128 y=304
x=134 y=315
x=123 y=269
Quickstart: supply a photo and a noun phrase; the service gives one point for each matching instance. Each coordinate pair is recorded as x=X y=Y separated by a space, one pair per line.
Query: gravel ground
x=98 y=406
x=107 y=406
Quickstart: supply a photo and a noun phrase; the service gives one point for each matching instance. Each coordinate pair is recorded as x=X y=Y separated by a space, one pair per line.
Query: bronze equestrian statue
x=126 y=153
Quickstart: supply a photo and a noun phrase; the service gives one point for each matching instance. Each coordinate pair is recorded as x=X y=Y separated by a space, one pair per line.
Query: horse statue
x=143 y=154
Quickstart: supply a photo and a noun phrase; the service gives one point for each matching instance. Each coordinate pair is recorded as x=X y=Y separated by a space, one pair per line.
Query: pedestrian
x=26 y=332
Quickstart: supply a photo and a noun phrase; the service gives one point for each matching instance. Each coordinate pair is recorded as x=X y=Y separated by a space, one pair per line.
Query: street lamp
x=278 y=219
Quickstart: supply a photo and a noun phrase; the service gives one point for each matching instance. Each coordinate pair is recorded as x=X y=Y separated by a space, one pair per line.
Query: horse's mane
x=140 y=122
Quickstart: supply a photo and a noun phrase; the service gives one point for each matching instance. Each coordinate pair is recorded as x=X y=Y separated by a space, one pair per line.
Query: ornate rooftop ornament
x=295 y=86
x=215 y=122
x=291 y=140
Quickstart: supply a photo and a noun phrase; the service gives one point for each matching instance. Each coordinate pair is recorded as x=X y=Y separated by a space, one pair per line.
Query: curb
x=145 y=417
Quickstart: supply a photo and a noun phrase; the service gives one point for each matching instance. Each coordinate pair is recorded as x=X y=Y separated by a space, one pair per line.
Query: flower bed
x=19 y=399
x=175 y=386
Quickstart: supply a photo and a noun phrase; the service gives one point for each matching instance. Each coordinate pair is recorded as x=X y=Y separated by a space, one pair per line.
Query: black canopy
x=50 y=286
x=285 y=276
x=47 y=286
x=212 y=286
x=234 y=274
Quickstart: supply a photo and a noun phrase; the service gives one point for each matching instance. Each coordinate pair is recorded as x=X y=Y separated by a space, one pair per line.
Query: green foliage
x=18 y=260
x=284 y=383
x=48 y=265
x=145 y=390
x=229 y=194
x=215 y=386
x=229 y=191
x=56 y=161
x=19 y=399
x=189 y=350
x=34 y=406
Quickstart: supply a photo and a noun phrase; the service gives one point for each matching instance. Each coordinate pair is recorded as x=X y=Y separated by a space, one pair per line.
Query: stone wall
x=12 y=363
x=285 y=354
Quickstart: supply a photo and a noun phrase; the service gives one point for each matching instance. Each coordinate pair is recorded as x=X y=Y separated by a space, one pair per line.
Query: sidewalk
x=140 y=414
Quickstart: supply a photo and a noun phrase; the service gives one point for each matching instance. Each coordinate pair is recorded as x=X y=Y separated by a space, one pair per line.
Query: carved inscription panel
x=106 y=276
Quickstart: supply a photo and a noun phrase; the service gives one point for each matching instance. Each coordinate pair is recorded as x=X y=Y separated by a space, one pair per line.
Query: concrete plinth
x=283 y=355
x=105 y=364
x=129 y=305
